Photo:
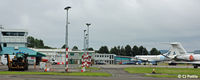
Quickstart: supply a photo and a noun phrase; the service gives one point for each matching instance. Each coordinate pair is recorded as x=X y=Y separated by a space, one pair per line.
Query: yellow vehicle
x=19 y=62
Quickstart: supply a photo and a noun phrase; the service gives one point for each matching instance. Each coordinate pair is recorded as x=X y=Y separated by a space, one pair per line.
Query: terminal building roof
x=11 y=50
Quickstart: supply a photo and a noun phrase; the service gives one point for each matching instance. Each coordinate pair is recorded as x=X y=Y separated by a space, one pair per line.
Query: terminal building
x=58 y=55
x=15 y=40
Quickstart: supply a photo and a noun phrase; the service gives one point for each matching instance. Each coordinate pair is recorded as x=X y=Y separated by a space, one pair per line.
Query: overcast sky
x=114 y=22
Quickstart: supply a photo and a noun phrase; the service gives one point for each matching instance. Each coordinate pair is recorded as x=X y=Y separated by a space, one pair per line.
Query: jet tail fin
x=176 y=49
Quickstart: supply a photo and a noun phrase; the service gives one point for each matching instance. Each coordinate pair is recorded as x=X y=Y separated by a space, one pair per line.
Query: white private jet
x=154 y=59
x=178 y=54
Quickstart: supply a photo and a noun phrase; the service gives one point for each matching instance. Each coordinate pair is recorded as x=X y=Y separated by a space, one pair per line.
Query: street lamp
x=88 y=24
x=66 y=40
x=84 y=37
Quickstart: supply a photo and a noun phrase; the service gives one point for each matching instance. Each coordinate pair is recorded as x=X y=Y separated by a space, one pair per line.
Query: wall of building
x=59 y=55
x=122 y=59
x=104 y=58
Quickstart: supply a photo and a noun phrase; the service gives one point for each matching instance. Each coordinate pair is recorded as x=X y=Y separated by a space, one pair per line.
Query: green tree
x=63 y=47
x=145 y=51
x=128 y=50
x=75 y=48
x=47 y=47
x=114 y=50
x=141 y=50
x=135 y=50
x=35 y=43
x=40 y=44
x=103 y=49
x=154 y=51
x=90 y=49
x=118 y=50
x=30 y=41
x=122 y=51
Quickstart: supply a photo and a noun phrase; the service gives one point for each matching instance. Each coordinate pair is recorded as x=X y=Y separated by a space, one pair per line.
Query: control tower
x=13 y=37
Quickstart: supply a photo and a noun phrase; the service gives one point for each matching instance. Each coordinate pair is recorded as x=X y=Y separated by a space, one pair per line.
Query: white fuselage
x=150 y=57
x=189 y=57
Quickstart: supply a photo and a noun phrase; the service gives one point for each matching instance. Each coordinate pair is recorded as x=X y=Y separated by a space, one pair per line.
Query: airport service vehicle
x=19 y=62
x=153 y=59
x=178 y=55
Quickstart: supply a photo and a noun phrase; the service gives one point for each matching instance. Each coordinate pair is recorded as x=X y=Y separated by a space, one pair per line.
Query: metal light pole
x=84 y=39
x=66 y=40
x=88 y=24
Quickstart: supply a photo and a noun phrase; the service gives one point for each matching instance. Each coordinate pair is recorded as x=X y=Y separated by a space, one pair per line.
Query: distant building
x=58 y=55
x=104 y=58
x=122 y=59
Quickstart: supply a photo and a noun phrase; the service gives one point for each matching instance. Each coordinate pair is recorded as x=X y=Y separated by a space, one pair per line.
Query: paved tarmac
x=116 y=70
x=124 y=66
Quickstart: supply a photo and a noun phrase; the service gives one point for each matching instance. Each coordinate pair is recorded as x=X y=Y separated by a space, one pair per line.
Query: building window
x=4 y=44
x=21 y=33
x=13 y=33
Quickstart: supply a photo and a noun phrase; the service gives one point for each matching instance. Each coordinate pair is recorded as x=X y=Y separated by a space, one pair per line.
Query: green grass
x=56 y=73
x=168 y=72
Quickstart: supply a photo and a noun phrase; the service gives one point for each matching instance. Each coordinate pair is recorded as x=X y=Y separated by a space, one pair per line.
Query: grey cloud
x=114 y=22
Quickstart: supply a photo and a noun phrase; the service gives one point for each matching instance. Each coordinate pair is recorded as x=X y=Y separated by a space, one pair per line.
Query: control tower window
x=21 y=33
x=13 y=33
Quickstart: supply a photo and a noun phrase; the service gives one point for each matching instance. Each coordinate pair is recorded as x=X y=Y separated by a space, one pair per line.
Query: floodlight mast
x=88 y=25
x=66 y=40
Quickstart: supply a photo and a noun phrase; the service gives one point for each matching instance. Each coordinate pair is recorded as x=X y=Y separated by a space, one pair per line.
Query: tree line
x=75 y=48
x=36 y=43
x=128 y=50
x=118 y=50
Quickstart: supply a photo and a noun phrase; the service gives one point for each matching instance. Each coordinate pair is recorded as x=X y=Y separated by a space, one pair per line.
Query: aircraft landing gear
x=195 y=66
